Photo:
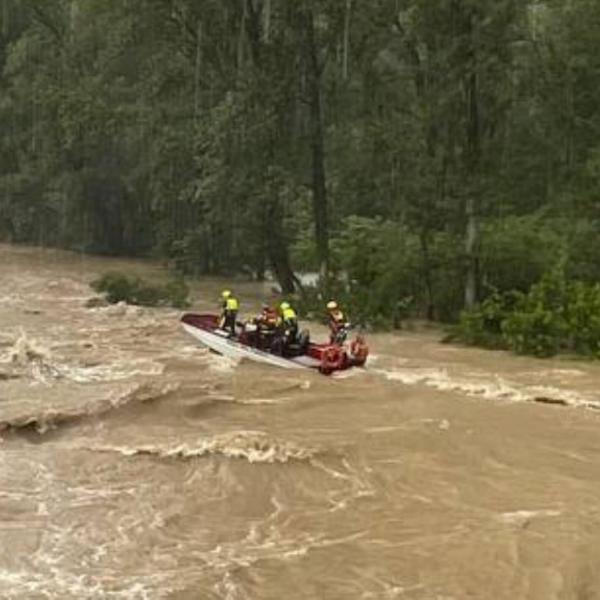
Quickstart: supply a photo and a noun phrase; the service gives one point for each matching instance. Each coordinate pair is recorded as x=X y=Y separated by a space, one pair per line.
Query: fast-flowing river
x=135 y=464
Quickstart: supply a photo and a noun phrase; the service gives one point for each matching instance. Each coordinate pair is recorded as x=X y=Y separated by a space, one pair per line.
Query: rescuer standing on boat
x=338 y=325
x=287 y=325
x=229 y=311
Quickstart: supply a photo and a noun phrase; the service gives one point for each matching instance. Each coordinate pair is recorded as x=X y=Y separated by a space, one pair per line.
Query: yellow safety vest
x=289 y=314
x=232 y=304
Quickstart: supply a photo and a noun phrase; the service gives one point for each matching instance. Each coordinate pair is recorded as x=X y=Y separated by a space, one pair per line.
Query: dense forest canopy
x=432 y=150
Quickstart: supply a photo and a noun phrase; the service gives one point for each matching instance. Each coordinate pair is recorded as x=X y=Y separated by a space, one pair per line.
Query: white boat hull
x=233 y=349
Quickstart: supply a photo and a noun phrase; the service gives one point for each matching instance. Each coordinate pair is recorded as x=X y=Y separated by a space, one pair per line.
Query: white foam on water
x=191 y=349
x=545 y=373
x=24 y=351
x=229 y=590
x=259 y=401
x=221 y=364
x=120 y=309
x=111 y=372
x=253 y=446
x=496 y=389
x=34 y=357
x=520 y=517
x=349 y=374
x=49 y=581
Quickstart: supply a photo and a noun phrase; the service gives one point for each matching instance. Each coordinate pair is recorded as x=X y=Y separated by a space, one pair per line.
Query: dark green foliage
x=484 y=324
x=415 y=154
x=584 y=252
x=119 y=287
x=518 y=251
x=378 y=262
x=176 y=293
x=539 y=323
x=556 y=315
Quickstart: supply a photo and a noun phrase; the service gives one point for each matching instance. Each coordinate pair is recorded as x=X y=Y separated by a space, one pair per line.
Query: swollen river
x=135 y=464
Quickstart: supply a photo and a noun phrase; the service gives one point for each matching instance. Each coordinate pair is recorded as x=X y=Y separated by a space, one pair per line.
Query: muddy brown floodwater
x=134 y=464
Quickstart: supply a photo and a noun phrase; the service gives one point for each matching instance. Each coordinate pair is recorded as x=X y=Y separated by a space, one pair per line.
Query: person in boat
x=338 y=325
x=260 y=330
x=229 y=311
x=287 y=328
x=266 y=322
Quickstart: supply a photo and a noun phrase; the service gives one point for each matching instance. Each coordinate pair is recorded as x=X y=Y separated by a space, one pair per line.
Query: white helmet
x=332 y=305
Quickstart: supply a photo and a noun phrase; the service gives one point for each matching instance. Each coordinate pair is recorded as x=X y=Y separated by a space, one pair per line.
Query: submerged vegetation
x=425 y=157
x=556 y=315
x=118 y=287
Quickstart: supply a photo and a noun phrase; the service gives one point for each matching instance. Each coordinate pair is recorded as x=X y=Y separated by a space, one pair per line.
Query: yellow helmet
x=332 y=305
x=284 y=305
x=225 y=294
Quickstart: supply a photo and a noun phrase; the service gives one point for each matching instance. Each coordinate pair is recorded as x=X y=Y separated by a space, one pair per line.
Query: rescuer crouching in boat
x=229 y=311
x=261 y=330
x=287 y=329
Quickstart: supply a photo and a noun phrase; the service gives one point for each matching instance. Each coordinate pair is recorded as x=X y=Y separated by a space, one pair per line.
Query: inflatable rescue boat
x=326 y=358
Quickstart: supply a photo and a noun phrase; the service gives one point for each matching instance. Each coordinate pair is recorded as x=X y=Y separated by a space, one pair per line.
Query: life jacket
x=289 y=315
x=336 y=319
x=267 y=318
x=232 y=304
x=288 y=319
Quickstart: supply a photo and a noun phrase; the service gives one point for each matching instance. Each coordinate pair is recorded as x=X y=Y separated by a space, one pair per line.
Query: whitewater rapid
x=135 y=464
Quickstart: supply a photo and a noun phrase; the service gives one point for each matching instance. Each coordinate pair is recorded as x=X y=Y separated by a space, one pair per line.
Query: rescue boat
x=325 y=358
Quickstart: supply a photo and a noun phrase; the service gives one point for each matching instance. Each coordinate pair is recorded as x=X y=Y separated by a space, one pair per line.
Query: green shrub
x=538 y=325
x=177 y=292
x=119 y=287
x=535 y=330
x=583 y=319
x=384 y=272
x=556 y=315
x=483 y=325
x=584 y=252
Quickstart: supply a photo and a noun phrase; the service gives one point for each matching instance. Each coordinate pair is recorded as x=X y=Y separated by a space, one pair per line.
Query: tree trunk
x=276 y=244
x=472 y=162
x=197 y=70
x=5 y=18
x=318 y=150
x=346 y=39
x=241 y=35
x=266 y=21
x=472 y=236
x=277 y=249
x=423 y=238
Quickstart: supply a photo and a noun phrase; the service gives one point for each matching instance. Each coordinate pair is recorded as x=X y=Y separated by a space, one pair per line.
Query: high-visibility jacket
x=289 y=315
x=231 y=304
